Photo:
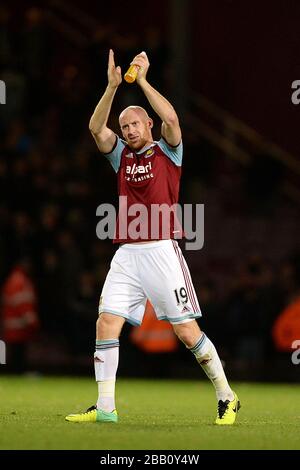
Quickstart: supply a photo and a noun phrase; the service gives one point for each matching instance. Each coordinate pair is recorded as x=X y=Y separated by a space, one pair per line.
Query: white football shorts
x=156 y=271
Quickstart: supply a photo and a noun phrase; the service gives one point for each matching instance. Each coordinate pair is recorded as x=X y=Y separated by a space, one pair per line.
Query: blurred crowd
x=52 y=179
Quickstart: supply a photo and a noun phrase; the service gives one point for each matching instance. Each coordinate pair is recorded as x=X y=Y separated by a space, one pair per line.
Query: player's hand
x=143 y=62
x=113 y=73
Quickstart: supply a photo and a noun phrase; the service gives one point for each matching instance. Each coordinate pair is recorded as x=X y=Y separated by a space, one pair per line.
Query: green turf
x=154 y=414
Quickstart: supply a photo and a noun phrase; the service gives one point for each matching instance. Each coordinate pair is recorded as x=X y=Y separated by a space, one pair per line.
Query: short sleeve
x=114 y=157
x=173 y=153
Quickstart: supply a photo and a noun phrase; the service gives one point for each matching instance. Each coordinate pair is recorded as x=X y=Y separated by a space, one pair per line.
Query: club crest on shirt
x=149 y=153
x=129 y=155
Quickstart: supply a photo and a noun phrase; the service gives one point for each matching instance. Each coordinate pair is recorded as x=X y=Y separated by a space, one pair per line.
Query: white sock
x=106 y=359
x=208 y=358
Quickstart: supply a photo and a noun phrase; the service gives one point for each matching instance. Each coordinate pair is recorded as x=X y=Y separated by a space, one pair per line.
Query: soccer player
x=150 y=267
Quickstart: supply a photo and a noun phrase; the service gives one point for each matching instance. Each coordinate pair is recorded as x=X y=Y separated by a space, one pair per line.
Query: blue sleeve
x=174 y=153
x=114 y=157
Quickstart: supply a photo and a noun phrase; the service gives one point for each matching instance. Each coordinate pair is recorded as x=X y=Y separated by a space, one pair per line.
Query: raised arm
x=105 y=137
x=170 y=124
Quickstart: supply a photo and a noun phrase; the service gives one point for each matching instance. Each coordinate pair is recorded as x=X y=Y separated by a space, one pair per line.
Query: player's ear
x=150 y=123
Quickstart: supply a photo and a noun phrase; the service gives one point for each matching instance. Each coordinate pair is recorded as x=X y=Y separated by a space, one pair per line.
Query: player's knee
x=104 y=323
x=184 y=335
x=109 y=326
x=98 y=324
x=188 y=333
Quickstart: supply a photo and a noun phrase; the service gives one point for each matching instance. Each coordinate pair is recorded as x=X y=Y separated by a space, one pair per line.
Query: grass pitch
x=154 y=414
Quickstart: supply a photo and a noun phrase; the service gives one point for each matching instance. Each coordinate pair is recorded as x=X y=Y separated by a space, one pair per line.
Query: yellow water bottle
x=131 y=73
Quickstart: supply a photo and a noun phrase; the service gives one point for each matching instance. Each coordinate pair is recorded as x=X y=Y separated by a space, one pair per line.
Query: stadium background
x=228 y=69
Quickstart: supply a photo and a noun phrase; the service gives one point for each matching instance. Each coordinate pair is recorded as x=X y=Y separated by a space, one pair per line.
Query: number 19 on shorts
x=181 y=296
